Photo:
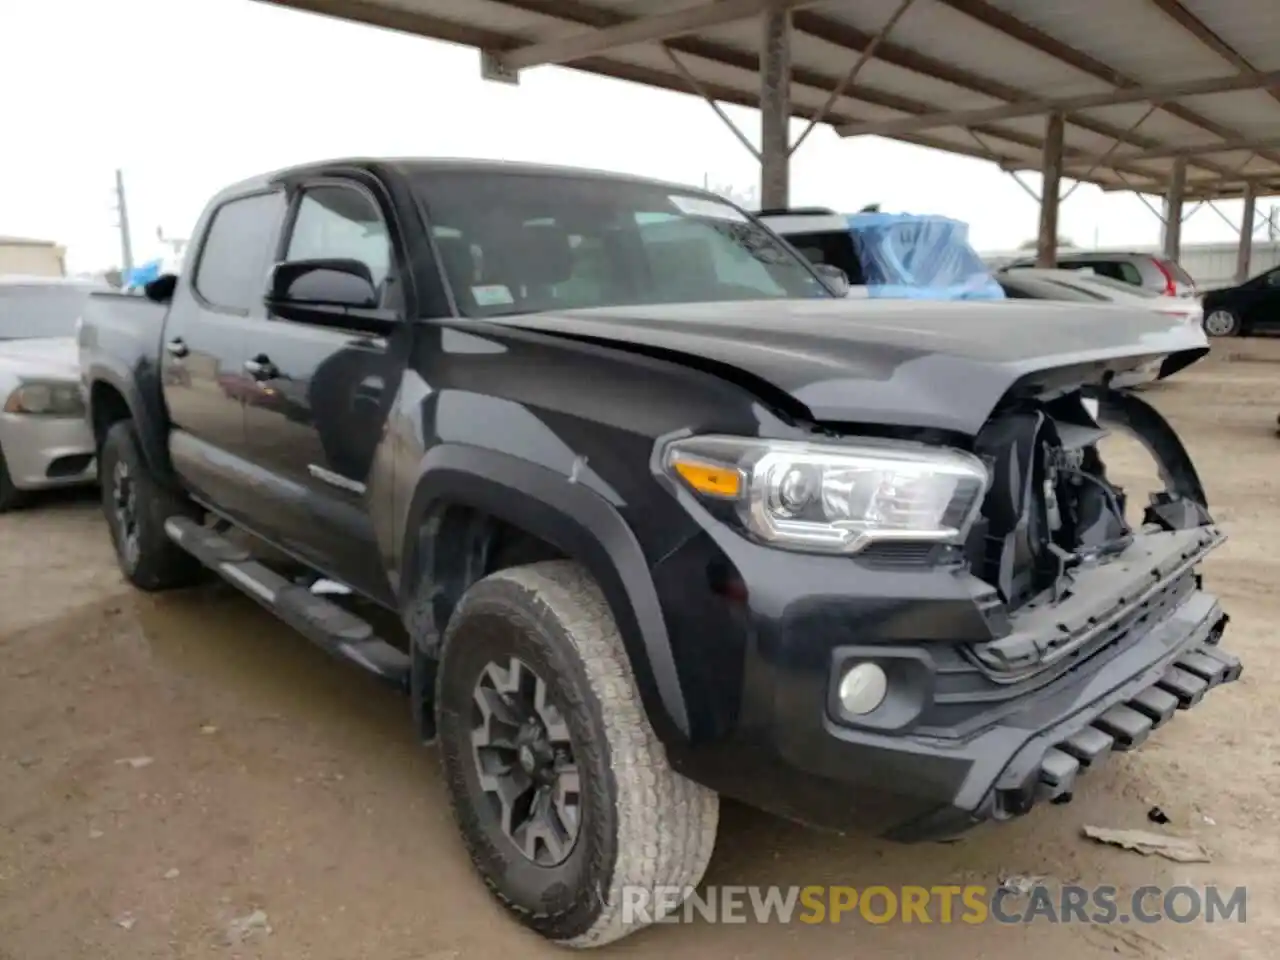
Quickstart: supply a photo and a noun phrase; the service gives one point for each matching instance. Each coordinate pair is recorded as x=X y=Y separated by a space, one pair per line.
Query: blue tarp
x=141 y=275
x=920 y=257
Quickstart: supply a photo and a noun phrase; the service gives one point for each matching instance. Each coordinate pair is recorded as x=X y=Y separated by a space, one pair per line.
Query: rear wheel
x=561 y=789
x=1222 y=323
x=136 y=508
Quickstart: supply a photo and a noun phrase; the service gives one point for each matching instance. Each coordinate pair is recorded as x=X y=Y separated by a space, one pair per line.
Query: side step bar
x=341 y=633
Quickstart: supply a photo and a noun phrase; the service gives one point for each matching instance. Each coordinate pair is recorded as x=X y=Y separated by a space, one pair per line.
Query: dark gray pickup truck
x=663 y=517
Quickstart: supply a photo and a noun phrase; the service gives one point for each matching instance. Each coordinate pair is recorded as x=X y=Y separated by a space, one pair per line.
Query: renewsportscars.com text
x=971 y=904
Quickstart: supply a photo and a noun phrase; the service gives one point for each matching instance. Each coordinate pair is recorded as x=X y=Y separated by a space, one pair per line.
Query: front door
x=202 y=349
x=323 y=394
x=1259 y=301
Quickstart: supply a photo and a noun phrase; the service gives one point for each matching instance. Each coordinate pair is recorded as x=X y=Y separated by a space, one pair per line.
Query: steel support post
x=775 y=108
x=1051 y=171
x=1171 y=236
x=1244 y=255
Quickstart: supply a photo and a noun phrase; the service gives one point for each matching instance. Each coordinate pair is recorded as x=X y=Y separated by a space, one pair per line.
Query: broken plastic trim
x=1181 y=506
x=1153 y=431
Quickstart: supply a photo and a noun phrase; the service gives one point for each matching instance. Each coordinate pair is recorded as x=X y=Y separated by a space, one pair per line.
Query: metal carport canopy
x=1173 y=97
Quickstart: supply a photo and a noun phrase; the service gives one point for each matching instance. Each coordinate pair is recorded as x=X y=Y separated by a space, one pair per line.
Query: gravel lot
x=170 y=764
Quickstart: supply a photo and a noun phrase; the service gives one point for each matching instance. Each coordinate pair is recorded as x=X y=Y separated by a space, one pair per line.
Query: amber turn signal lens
x=709 y=479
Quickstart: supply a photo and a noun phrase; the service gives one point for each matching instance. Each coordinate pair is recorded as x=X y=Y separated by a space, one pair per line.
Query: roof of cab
x=409 y=166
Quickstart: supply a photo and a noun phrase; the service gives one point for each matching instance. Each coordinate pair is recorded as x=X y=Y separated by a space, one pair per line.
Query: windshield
x=522 y=243
x=41 y=310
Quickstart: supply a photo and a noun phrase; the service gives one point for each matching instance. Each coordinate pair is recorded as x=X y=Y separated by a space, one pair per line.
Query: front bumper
x=45 y=452
x=982 y=747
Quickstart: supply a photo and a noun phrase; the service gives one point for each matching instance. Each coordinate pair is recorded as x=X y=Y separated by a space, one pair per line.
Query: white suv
x=1144 y=270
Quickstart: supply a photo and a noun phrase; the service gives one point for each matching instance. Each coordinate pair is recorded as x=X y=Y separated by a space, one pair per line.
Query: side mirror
x=160 y=290
x=836 y=280
x=322 y=283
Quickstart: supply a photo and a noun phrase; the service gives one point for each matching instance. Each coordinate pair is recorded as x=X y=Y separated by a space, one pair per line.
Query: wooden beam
x=838 y=33
x=1031 y=108
x=675 y=23
x=1038 y=40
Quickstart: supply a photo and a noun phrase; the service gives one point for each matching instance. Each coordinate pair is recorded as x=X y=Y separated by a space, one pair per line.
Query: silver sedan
x=45 y=441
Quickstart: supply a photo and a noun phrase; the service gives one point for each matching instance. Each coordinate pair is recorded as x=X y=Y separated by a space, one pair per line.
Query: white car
x=44 y=438
x=1085 y=287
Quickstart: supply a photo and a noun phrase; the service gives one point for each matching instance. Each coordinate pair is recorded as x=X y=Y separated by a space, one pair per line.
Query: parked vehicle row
x=664 y=515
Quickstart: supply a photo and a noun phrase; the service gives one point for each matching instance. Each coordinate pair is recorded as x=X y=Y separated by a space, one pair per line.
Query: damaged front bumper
x=991 y=708
x=1010 y=748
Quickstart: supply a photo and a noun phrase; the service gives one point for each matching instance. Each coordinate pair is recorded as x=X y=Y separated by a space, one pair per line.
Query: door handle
x=177 y=347
x=261 y=368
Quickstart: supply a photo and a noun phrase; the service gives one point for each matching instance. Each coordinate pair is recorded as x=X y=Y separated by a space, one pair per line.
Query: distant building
x=32 y=258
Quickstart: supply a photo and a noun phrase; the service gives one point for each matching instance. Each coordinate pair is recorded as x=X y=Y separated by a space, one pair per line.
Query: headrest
x=538 y=254
x=458 y=261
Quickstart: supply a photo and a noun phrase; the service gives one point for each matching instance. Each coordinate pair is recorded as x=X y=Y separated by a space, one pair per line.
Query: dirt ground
x=170 y=764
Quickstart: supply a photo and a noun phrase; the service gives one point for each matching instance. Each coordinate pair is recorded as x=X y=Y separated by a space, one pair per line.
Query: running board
x=333 y=628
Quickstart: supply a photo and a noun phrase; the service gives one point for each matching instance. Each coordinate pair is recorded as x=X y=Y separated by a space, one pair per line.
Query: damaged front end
x=1087 y=600
x=1053 y=538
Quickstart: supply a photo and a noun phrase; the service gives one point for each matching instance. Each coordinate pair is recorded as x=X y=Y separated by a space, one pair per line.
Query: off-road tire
x=642 y=825
x=158 y=563
x=11 y=498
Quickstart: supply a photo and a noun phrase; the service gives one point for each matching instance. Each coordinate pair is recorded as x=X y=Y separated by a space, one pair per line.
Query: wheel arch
x=461 y=492
x=112 y=397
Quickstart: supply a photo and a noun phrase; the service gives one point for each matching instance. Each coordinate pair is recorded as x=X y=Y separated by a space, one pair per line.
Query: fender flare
x=578 y=522
x=149 y=432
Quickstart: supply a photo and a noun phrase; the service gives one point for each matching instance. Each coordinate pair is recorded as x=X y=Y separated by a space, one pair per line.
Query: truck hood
x=53 y=357
x=935 y=364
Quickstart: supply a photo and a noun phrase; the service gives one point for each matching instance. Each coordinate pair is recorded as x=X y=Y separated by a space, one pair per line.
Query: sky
x=186 y=96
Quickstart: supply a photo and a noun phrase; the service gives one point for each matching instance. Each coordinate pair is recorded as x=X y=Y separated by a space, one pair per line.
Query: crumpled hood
x=55 y=357
x=941 y=365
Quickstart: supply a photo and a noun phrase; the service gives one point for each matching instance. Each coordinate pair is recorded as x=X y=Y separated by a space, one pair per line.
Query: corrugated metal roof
x=942 y=56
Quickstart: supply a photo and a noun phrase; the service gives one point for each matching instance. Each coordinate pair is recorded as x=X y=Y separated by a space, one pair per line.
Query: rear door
x=323 y=394
x=202 y=351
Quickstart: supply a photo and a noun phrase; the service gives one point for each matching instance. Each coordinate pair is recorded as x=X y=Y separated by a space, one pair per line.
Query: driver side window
x=336 y=222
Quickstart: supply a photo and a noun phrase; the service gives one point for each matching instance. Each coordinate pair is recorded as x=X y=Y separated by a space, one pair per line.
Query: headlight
x=48 y=398
x=835 y=497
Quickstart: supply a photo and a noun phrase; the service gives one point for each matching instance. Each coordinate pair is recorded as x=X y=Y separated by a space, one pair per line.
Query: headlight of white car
x=46 y=398
x=833 y=497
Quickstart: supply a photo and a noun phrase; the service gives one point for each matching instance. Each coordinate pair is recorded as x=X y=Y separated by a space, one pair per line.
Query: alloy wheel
x=124 y=498
x=525 y=763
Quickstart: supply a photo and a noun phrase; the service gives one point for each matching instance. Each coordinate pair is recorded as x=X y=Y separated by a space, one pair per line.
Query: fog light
x=862 y=688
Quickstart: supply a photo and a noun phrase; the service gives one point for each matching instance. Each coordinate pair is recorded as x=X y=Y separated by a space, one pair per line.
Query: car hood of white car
x=53 y=357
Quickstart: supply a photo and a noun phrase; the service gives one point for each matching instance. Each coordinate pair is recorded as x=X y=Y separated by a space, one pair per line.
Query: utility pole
x=122 y=210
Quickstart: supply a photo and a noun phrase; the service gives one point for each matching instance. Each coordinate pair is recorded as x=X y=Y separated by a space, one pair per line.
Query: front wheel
x=562 y=791
x=136 y=508
x=1222 y=323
